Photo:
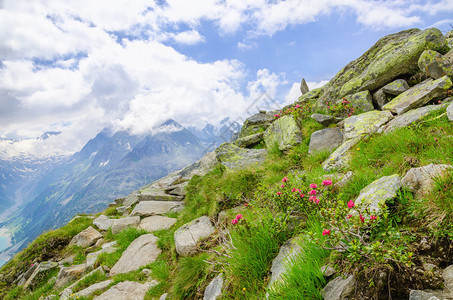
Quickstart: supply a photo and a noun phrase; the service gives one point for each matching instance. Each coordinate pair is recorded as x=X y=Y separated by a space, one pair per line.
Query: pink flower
x=279 y=193
x=234 y=221
x=293 y=190
x=312 y=192
x=314 y=199
x=349 y=216
x=362 y=218
x=239 y=217
x=326 y=232
x=276 y=115
x=351 y=204
x=327 y=182
x=282 y=186
x=246 y=204
x=372 y=218
x=285 y=179
x=297 y=105
x=313 y=186
x=302 y=195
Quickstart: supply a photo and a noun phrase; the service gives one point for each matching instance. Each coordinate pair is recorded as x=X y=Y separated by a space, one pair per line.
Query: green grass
x=161 y=272
x=89 y=280
x=189 y=275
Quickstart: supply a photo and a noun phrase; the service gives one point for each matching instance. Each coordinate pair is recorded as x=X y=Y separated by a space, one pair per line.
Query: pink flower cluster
x=236 y=220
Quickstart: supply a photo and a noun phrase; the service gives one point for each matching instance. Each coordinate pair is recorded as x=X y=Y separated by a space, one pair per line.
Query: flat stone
x=187 y=236
x=328 y=271
x=127 y=290
x=103 y=222
x=325 y=120
x=339 y=288
x=365 y=124
x=447 y=275
x=178 y=189
x=68 y=274
x=131 y=199
x=450 y=112
x=421 y=295
x=250 y=140
x=86 y=238
x=284 y=132
x=233 y=157
x=408 y=118
x=91 y=259
x=340 y=157
x=154 y=223
x=67 y=292
x=123 y=223
x=89 y=291
x=149 y=208
x=374 y=195
x=419 y=95
x=420 y=180
x=396 y=87
x=163 y=297
x=326 y=139
x=142 y=251
x=214 y=289
x=287 y=253
x=157 y=195
x=42 y=267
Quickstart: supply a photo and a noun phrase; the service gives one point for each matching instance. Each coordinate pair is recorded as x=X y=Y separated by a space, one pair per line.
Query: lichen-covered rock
x=68 y=274
x=304 y=87
x=123 y=223
x=325 y=120
x=187 y=236
x=340 y=157
x=374 y=195
x=450 y=112
x=419 y=95
x=396 y=87
x=233 y=157
x=67 y=292
x=365 y=124
x=284 y=132
x=311 y=96
x=249 y=141
x=86 y=238
x=380 y=98
x=435 y=64
x=149 y=208
x=362 y=100
x=391 y=57
x=154 y=223
x=408 y=118
x=214 y=289
x=449 y=38
x=325 y=139
x=287 y=253
x=420 y=180
x=339 y=288
x=89 y=291
x=256 y=123
x=142 y=251
x=127 y=290
x=152 y=194
x=43 y=267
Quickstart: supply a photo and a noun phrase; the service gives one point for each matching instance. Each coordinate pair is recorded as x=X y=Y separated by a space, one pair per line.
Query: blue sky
x=79 y=66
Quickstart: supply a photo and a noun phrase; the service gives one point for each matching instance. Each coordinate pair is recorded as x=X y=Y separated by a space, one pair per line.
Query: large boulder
x=304 y=87
x=449 y=38
x=177 y=189
x=127 y=290
x=151 y=194
x=103 y=222
x=374 y=195
x=436 y=65
x=142 y=251
x=214 y=289
x=154 y=223
x=325 y=139
x=361 y=100
x=86 y=238
x=284 y=132
x=325 y=120
x=394 y=88
x=391 y=57
x=339 y=289
x=123 y=223
x=256 y=123
x=365 y=124
x=287 y=253
x=340 y=157
x=149 y=208
x=68 y=274
x=419 y=95
x=420 y=180
x=233 y=157
x=249 y=141
x=131 y=199
x=187 y=236
x=311 y=96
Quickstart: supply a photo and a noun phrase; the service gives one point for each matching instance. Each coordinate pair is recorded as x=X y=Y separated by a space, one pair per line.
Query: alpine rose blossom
x=372 y=218
x=314 y=199
x=351 y=204
x=239 y=217
x=362 y=218
x=312 y=192
x=327 y=182
x=326 y=232
x=313 y=185
x=285 y=179
x=234 y=221
x=349 y=216
x=279 y=193
x=302 y=195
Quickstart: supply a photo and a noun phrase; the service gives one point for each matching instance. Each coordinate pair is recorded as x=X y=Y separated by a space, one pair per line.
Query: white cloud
x=188 y=37
x=314 y=85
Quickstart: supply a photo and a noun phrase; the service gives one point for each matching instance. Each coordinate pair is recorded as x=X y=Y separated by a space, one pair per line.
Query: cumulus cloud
x=188 y=37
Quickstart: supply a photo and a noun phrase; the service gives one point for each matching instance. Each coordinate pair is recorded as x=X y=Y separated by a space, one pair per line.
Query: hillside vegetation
x=345 y=194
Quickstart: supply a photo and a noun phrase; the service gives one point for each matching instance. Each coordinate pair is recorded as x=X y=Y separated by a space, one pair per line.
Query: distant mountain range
x=50 y=191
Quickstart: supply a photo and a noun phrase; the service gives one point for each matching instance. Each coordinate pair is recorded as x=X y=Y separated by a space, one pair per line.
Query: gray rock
x=187 y=236
x=380 y=98
x=250 y=140
x=311 y=96
x=121 y=209
x=119 y=201
x=421 y=295
x=304 y=87
x=362 y=100
x=163 y=297
x=450 y=112
x=420 y=180
x=142 y=251
x=435 y=64
x=127 y=290
x=284 y=132
x=131 y=199
x=178 y=189
x=365 y=124
x=146 y=272
x=339 y=288
x=344 y=180
x=325 y=120
x=91 y=259
x=447 y=275
x=149 y=208
x=214 y=288
x=285 y=257
x=66 y=293
x=154 y=223
x=123 y=223
x=157 y=195
x=24 y=276
x=396 y=87
x=419 y=95
x=42 y=267
x=325 y=140
x=328 y=271
x=89 y=291
x=103 y=222
x=86 y=238
x=340 y=157
x=68 y=274
x=374 y=195
x=408 y=118
x=233 y=157
x=256 y=123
